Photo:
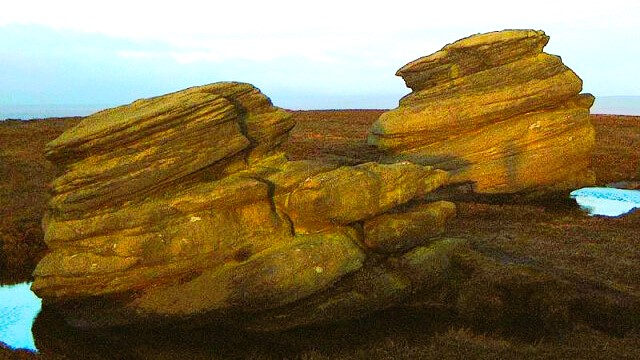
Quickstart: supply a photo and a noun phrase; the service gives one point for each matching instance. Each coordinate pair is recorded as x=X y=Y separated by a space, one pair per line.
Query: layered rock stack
x=495 y=111
x=182 y=208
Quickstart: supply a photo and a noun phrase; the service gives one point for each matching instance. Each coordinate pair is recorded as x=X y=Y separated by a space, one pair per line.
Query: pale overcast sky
x=304 y=55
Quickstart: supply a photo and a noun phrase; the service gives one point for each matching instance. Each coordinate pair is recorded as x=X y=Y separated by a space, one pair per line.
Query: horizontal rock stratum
x=495 y=111
x=182 y=208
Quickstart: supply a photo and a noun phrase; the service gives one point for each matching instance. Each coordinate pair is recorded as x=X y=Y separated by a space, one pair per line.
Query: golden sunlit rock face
x=496 y=111
x=183 y=207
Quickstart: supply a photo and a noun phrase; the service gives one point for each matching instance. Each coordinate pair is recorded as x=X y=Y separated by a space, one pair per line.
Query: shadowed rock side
x=181 y=207
x=496 y=111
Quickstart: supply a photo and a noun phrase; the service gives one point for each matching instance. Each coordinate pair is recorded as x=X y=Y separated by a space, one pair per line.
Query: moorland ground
x=554 y=235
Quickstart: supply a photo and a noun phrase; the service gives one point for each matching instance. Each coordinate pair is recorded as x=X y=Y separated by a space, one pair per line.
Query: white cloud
x=163 y=18
x=128 y=54
x=351 y=46
x=326 y=31
x=186 y=18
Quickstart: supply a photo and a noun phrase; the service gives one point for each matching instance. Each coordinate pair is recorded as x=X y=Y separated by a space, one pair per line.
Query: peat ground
x=576 y=305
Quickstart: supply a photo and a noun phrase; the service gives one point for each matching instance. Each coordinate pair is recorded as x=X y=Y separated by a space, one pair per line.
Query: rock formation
x=182 y=208
x=495 y=111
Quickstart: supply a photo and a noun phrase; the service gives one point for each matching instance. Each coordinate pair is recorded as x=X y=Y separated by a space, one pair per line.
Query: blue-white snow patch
x=19 y=307
x=607 y=201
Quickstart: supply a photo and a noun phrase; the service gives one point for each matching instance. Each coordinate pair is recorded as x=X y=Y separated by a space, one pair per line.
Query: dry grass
x=616 y=156
x=389 y=335
x=24 y=175
x=333 y=135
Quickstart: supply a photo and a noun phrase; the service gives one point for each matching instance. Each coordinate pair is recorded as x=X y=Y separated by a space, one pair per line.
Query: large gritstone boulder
x=495 y=111
x=181 y=208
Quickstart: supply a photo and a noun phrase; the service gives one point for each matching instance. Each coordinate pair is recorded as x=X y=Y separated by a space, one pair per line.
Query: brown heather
x=501 y=315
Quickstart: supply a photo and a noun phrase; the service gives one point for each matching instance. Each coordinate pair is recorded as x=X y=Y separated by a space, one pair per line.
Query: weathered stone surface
x=275 y=277
x=142 y=146
x=471 y=55
x=494 y=110
x=403 y=230
x=375 y=287
x=181 y=208
x=349 y=194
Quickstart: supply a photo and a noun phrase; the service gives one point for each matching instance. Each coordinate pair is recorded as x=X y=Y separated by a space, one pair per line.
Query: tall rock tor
x=182 y=208
x=496 y=111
